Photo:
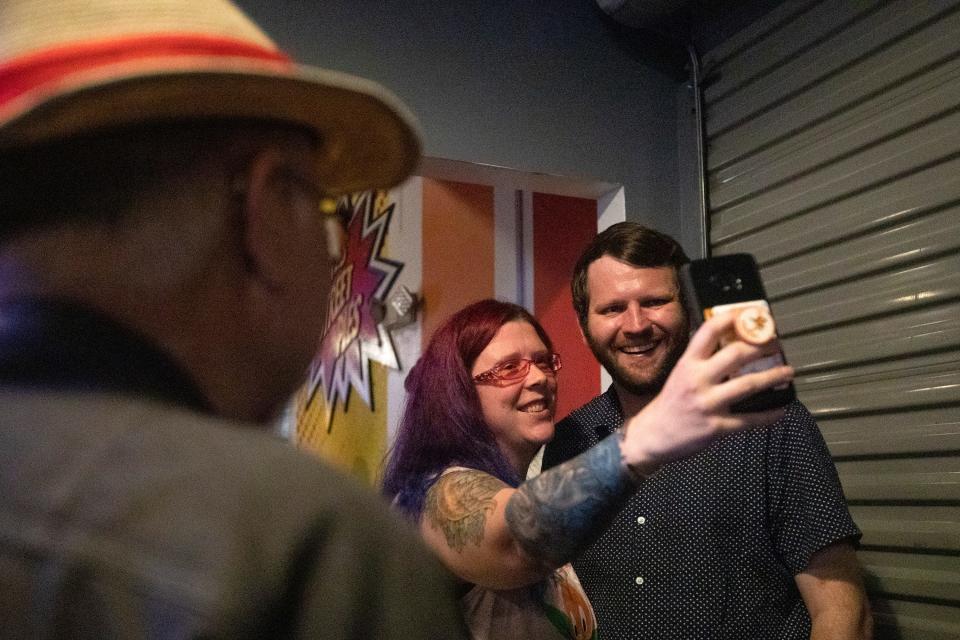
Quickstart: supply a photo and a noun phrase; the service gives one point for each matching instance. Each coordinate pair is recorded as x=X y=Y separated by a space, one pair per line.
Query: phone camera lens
x=726 y=282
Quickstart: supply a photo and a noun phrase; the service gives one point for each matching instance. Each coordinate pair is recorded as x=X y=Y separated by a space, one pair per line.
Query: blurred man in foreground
x=164 y=272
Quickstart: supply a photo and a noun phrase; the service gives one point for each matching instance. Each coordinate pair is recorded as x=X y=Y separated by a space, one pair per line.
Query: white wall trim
x=405 y=244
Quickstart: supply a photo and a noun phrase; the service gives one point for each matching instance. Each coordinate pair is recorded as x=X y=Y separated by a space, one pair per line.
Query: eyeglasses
x=516 y=369
x=328 y=204
x=334 y=217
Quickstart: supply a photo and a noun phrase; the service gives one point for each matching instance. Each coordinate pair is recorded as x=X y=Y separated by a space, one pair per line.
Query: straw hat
x=73 y=66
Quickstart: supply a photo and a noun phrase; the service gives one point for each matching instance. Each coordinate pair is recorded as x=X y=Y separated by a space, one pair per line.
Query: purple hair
x=442 y=424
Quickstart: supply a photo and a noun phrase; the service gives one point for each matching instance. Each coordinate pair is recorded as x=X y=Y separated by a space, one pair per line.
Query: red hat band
x=22 y=75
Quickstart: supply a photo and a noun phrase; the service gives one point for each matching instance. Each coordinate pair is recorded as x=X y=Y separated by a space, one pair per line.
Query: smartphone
x=732 y=284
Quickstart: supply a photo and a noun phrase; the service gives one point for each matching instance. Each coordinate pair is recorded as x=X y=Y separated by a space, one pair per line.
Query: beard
x=647 y=384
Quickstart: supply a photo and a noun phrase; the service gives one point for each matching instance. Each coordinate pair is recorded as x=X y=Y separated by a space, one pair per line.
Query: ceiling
x=659 y=32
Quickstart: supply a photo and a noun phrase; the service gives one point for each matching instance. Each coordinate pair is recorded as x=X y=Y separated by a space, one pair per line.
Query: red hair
x=442 y=424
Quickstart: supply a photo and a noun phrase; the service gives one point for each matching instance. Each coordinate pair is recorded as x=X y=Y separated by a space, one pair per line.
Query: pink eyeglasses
x=516 y=369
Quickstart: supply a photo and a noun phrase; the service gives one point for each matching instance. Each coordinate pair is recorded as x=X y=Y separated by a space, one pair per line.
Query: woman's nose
x=535 y=375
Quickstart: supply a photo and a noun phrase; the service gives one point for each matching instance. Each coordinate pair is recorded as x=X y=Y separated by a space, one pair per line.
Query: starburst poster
x=448 y=244
x=339 y=410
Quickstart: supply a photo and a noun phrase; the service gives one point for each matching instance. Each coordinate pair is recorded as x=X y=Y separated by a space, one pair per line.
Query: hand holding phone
x=693 y=409
x=732 y=284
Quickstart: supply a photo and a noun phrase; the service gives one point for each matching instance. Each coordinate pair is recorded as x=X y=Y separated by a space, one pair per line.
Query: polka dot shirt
x=708 y=547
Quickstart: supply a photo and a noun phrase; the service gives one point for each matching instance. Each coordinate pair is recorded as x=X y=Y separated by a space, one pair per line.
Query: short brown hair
x=639 y=245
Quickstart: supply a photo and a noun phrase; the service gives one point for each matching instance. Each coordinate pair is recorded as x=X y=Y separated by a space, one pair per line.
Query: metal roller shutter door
x=833 y=155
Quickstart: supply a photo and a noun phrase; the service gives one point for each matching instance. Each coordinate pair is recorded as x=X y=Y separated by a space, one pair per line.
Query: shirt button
x=638 y=580
x=641 y=520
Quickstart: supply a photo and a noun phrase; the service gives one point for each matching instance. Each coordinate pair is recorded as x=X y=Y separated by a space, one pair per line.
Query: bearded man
x=166 y=260
x=751 y=538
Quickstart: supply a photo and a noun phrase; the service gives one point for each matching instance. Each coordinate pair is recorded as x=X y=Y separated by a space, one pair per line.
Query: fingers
x=709 y=337
x=706 y=339
x=693 y=408
x=737 y=355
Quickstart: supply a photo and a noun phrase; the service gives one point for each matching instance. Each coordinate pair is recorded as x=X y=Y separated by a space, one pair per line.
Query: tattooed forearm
x=556 y=514
x=458 y=504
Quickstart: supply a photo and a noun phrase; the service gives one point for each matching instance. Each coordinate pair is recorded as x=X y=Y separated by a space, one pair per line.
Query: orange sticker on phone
x=754 y=322
x=754 y=325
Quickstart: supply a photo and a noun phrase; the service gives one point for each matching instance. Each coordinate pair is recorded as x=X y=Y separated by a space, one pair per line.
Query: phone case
x=732 y=283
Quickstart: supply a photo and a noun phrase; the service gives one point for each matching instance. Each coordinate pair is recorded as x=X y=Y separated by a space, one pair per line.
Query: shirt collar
x=608 y=404
x=62 y=345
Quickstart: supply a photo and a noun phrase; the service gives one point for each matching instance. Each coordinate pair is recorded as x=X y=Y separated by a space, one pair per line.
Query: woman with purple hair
x=480 y=404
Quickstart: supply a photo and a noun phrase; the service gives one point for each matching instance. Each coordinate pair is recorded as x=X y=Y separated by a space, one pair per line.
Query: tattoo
x=558 y=513
x=458 y=504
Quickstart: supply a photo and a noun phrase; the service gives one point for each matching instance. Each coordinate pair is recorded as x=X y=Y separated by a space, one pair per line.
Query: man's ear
x=264 y=222
x=583 y=336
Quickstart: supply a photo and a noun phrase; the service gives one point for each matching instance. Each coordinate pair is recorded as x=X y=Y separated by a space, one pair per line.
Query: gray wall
x=536 y=86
